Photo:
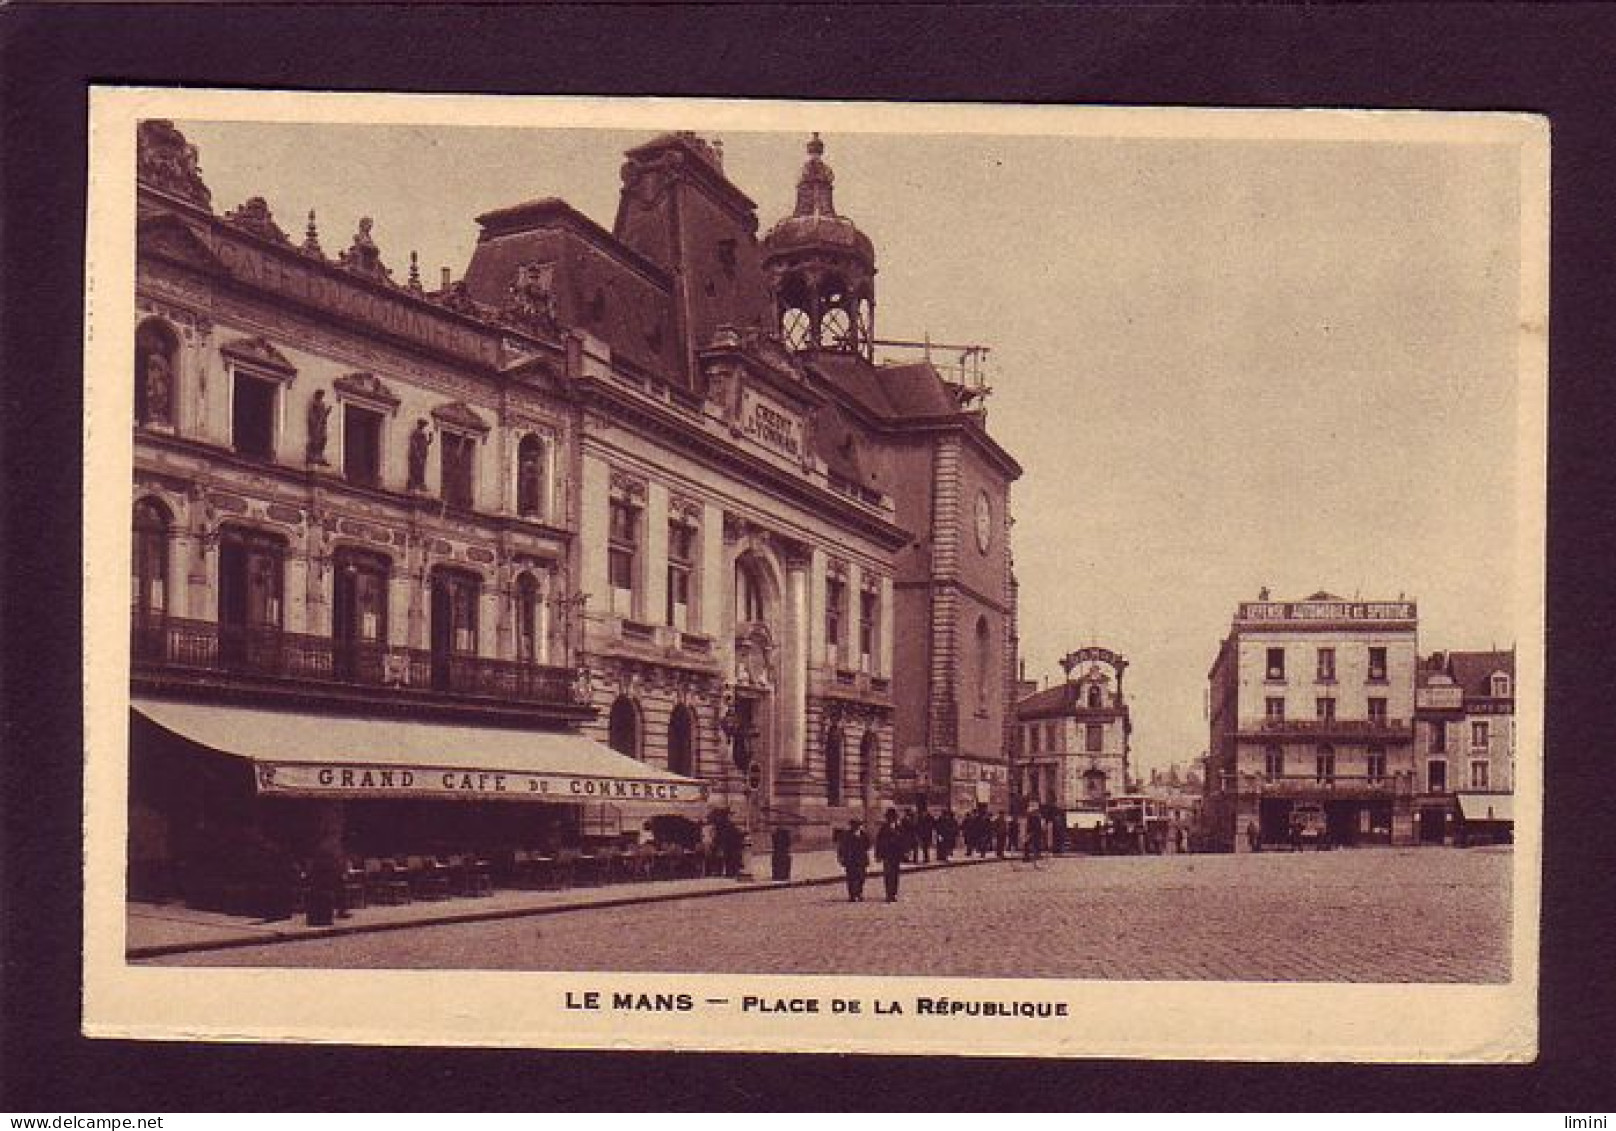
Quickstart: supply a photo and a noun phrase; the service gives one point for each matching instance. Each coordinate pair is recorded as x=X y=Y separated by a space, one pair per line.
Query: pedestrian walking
x=1033 y=840
x=999 y=832
x=926 y=831
x=1253 y=837
x=853 y=852
x=1012 y=834
x=889 y=849
x=947 y=835
x=968 y=833
x=908 y=830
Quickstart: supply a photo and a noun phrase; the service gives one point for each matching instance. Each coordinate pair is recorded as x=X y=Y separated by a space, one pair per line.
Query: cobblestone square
x=1369 y=915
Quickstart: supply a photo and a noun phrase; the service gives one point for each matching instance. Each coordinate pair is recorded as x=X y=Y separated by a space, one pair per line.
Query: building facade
x=1075 y=738
x=1464 y=742
x=647 y=486
x=1311 y=712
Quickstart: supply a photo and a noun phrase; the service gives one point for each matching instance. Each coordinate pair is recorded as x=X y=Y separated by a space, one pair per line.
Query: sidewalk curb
x=236 y=942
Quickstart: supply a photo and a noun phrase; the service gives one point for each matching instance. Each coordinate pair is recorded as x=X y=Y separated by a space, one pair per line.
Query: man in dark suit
x=854 y=853
x=890 y=845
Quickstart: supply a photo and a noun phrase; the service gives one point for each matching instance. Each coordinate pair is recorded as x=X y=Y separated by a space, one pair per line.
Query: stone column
x=176 y=580
x=541 y=631
x=653 y=609
x=793 y=664
x=884 y=629
x=488 y=620
x=400 y=609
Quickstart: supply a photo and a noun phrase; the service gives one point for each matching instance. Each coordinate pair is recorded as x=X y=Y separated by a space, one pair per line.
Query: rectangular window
x=1478 y=775
x=1093 y=738
x=1377 y=665
x=1052 y=735
x=1274 y=708
x=1324 y=765
x=1273 y=763
x=620 y=556
x=1478 y=735
x=1034 y=733
x=867 y=609
x=252 y=416
x=1436 y=776
x=458 y=459
x=1327 y=665
x=361 y=445
x=1377 y=764
x=681 y=565
x=1324 y=708
x=1276 y=663
x=835 y=601
x=1377 y=711
x=1439 y=737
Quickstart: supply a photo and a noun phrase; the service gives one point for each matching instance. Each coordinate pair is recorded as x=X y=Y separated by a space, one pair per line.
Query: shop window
x=156 y=370
x=530 y=477
x=1324 y=765
x=682 y=741
x=1273 y=763
x=1094 y=738
x=361 y=445
x=1326 y=669
x=1478 y=775
x=1276 y=664
x=1436 y=776
x=622 y=555
x=623 y=727
x=1377 y=665
x=458 y=455
x=1377 y=712
x=681 y=570
x=1376 y=764
x=253 y=407
x=1324 y=709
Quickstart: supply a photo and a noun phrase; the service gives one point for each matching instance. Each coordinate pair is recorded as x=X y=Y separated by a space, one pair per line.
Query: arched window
x=623 y=727
x=156 y=368
x=682 y=741
x=833 y=766
x=984 y=666
x=527 y=619
x=1094 y=696
x=150 y=573
x=530 y=477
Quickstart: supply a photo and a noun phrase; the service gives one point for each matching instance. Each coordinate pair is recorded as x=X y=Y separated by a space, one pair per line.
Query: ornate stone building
x=646 y=484
x=1075 y=738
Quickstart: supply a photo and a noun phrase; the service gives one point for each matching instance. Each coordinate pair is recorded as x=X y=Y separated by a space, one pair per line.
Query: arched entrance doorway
x=833 y=765
x=682 y=741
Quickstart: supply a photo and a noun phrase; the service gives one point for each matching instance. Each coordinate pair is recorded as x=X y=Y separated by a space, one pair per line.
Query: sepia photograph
x=809 y=576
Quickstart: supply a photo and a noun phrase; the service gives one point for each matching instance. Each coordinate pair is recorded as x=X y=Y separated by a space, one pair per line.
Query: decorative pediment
x=163 y=235
x=167 y=162
x=258 y=353
x=365 y=387
x=460 y=416
x=254 y=216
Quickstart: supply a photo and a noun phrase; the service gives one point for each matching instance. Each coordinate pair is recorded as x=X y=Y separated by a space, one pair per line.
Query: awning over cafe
x=1487 y=806
x=305 y=755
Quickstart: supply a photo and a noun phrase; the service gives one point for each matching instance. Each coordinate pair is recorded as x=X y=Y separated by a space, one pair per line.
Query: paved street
x=1370 y=915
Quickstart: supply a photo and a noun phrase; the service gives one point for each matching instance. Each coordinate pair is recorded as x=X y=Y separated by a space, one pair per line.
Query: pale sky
x=1223 y=364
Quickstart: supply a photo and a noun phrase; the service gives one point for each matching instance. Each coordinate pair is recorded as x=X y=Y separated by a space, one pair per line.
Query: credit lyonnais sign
x=315 y=779
x=770 y=424
x=1326 y=610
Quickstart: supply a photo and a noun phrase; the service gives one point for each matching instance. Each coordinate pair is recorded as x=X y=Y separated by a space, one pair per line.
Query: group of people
x=915 y=836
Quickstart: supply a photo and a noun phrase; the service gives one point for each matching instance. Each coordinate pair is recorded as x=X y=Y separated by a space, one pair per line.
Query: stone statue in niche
x=420 y=445
x=319 y=427
x=159 y=387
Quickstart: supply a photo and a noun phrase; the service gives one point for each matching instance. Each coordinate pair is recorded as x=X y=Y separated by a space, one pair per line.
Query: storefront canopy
x=303 y=755
x=1487 y=806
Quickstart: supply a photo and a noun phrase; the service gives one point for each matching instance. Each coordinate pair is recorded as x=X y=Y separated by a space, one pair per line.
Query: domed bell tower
x=821 y=269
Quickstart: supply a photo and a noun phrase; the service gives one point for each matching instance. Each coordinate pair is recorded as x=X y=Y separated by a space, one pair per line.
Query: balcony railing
x=1335 y=785
x=175 y=644
x=1369 y=729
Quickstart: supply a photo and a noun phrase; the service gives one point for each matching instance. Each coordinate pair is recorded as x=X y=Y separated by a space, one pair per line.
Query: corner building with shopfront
x=1311 y=709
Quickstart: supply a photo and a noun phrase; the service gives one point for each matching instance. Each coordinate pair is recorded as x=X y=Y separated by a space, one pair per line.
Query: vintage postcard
x=1001 y=581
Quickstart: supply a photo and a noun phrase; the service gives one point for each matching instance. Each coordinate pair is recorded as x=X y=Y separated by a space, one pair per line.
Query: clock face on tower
x=984 y=522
